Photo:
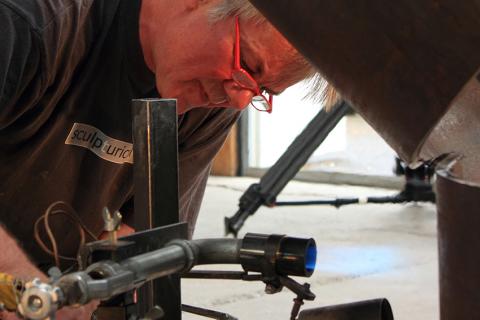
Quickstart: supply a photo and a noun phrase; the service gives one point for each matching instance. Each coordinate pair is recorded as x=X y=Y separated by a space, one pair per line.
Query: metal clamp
x=111 y=224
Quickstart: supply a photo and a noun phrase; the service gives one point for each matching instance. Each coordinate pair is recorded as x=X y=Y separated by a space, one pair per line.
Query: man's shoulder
x=40 y=14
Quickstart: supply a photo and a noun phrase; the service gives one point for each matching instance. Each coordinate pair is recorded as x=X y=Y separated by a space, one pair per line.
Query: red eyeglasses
x=262 y=100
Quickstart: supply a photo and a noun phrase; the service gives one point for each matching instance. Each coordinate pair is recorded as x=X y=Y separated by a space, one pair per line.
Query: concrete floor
x=364 y=252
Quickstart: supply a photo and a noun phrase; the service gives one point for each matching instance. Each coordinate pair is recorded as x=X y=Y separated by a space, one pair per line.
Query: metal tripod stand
x=264 y=193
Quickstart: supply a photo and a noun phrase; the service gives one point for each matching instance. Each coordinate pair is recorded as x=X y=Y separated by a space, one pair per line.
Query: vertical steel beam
x=156 y=190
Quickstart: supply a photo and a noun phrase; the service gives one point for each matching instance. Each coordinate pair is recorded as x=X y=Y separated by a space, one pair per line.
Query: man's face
x=192 y=59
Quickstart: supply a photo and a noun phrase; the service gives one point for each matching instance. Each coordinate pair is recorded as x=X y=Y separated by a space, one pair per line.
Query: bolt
x=35 y=303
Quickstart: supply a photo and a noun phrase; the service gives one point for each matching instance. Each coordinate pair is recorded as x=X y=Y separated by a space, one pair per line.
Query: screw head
x=35 y=303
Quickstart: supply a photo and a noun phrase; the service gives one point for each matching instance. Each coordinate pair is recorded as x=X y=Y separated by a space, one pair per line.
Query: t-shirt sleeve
x=201 y=135
x=20 y=76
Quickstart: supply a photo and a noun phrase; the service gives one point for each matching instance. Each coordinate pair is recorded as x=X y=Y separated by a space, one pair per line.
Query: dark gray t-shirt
x=70 y=68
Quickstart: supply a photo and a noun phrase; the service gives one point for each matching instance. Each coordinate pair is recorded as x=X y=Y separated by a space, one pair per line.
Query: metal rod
x=223 y=275
x=207 y=313
x=271 y=255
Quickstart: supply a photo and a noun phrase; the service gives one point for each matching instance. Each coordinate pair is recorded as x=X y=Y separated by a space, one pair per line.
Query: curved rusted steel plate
x=400 y=63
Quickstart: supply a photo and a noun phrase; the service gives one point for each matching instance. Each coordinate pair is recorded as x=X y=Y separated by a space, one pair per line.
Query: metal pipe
x=106 y=279
x=458 y=241
x=269 y=254
x=377 y=309
x=217 y=251
x=159 y=263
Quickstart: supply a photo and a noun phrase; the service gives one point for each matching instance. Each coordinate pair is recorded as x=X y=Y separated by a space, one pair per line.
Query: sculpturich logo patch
x=113 y=150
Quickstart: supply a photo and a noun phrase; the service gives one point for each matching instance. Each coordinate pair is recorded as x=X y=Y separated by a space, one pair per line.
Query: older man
x=69 y=70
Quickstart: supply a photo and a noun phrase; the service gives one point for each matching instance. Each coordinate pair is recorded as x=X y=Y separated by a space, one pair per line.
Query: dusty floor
x=364 y=252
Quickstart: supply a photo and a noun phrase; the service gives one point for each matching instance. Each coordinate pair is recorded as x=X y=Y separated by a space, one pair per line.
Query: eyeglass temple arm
x=237 y=44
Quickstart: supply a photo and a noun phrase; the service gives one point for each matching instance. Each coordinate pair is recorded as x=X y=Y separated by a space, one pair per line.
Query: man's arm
x=16 y=263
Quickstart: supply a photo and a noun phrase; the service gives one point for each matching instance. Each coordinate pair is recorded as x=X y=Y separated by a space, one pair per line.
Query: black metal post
x=156 y=190
x=242 y=141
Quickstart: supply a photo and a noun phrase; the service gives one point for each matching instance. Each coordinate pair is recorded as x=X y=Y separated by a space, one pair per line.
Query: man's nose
x=238 y=97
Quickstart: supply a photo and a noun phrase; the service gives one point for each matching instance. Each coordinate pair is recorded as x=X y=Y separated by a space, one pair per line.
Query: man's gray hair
x=319 y=89
x=242 y=8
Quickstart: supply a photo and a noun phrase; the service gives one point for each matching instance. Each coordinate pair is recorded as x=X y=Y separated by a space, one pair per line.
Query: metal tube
x=278 y=255
x=458 y=242
x=378 y=309
x=217 y=251
x=269 y=254
x=105 y=279
x=158 y=263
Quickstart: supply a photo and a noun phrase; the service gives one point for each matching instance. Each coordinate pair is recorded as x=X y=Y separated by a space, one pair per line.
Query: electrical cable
x=68 y=212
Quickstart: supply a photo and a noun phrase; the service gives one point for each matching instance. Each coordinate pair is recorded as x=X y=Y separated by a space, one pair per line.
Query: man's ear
x=191 y=5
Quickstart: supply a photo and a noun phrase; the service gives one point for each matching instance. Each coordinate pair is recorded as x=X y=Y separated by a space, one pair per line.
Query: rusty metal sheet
x=459 y=131
x=458 y=242
x=400 y=63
